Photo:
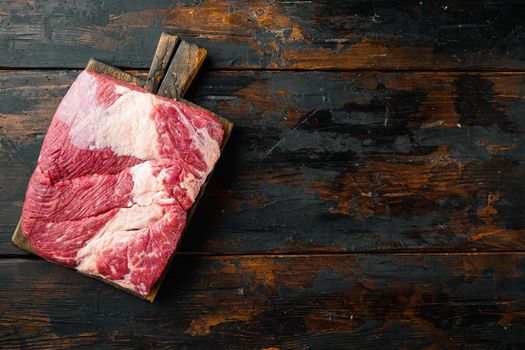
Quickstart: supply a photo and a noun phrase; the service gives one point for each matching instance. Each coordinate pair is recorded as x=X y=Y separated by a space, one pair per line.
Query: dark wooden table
x=372 y=194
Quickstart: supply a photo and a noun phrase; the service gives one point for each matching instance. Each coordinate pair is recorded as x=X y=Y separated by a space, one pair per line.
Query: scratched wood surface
x=380 y=34
x=374 y=161
x=371 y=195
x=324 y=302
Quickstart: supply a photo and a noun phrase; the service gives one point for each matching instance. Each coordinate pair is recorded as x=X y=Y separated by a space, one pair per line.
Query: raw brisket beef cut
x=118 y=170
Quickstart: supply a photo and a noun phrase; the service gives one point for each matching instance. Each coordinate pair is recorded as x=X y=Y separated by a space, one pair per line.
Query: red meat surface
x=118 y=170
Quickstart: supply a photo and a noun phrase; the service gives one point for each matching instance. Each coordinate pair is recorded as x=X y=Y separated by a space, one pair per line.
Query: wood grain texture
x=183 y=68
x=102 y=68
x=371 y=161
x=328 y=161
x=296 y=302
x=163 y=54
x=273 y=34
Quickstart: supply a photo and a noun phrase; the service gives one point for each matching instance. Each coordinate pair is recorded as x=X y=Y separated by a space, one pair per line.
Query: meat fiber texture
x=118 y=170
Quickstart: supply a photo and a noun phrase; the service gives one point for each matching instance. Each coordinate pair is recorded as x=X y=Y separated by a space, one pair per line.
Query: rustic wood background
x=372 y=194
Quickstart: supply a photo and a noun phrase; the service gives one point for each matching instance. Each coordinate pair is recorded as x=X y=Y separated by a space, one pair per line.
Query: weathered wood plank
x=322 y=302
x=102 y=68
x=183 y=68
x=161 y=60
x=326 y=161
x=268 y=34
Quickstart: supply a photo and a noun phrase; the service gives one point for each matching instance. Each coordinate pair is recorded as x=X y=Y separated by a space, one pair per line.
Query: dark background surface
x=371 y=195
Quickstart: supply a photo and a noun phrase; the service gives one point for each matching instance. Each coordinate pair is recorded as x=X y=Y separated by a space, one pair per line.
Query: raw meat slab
x=143 y=173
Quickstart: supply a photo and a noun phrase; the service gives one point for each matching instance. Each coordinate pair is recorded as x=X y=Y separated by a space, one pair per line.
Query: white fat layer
x=121 y=90
x=210 y=147
x=149 y=196
x=126 y=126
x=135 y=218
x=146 y=186
x=191 y=185
x=119 y=230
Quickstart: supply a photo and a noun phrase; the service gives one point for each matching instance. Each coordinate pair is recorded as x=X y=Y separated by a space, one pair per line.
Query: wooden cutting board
x=174 y=66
